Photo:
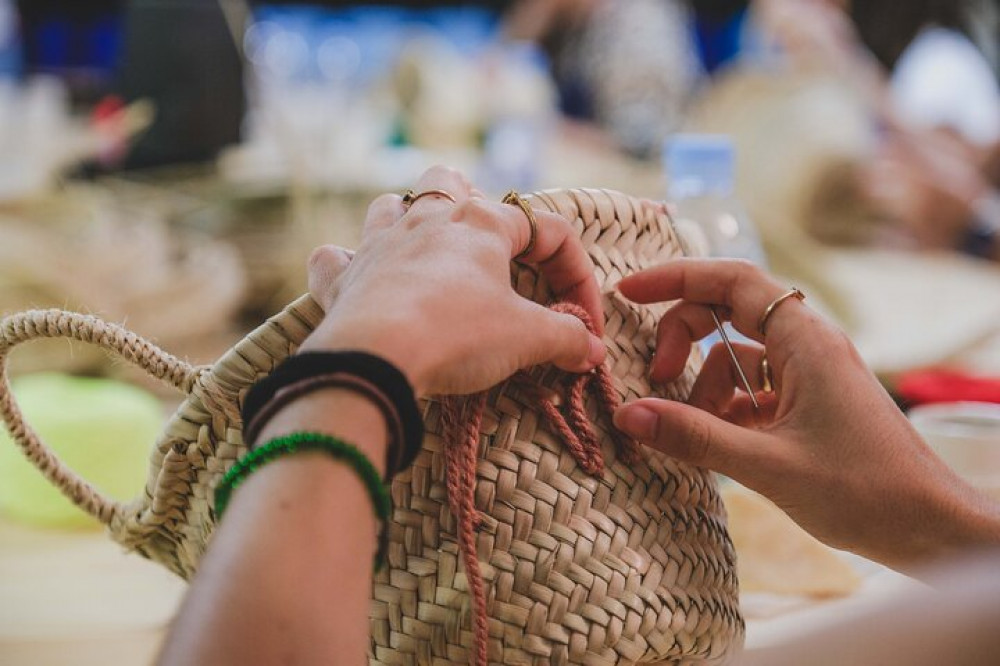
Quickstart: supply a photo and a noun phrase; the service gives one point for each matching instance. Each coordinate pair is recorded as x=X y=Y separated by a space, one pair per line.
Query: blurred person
x=936 y=168
x=921 y=67
x=828 y=446
x=935 y=98
x=634 y=66
x=938 y=78
x=721 y=28
x=930 y=182
x=630 y=66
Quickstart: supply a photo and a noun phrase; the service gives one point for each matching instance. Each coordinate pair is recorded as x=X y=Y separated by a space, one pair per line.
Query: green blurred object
x=100 y=428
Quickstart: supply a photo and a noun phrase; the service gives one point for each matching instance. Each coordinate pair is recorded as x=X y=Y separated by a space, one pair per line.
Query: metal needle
x=732 y=355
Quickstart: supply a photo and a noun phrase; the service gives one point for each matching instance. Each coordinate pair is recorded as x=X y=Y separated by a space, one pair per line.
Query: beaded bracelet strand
x=310 y=441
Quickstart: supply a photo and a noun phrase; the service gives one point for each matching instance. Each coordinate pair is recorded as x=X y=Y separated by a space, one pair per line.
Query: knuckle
x=838 y=340
x=674 y=321
x=386 y=199
x=841 y=345
x=828 y=337
x=415 y=217
x=324 y=256
x=747 y=271
x=444 y=171
x=741 y=273
x=384 y=202
x=477 y=213
x=445 y=177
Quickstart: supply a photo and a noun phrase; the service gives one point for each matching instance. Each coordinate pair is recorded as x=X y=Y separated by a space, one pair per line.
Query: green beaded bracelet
x=310 y=441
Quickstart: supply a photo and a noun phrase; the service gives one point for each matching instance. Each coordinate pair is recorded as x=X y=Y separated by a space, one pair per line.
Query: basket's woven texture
x=634 y=566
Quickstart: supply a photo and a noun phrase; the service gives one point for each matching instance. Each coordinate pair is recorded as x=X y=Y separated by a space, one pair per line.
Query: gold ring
x=410 y=197
x=791 y=293
x=766 y=375
x=515 y=199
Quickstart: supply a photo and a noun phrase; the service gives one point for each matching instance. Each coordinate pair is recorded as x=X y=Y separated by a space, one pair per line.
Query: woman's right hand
x=828 y=446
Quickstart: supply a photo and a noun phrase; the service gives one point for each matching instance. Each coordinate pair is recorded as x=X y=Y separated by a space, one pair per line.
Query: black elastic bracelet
x=289 y=393
x=374 y=370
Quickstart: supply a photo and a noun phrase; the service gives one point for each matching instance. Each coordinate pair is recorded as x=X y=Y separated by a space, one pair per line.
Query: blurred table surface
x=78 y=598
x=72 y=597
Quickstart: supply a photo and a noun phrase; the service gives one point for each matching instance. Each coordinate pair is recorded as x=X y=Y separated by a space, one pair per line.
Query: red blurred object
x=931 y=386
x=109 y=107
x=108 y=119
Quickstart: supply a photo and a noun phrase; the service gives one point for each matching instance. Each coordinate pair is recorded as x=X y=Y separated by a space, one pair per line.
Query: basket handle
x=36 y=324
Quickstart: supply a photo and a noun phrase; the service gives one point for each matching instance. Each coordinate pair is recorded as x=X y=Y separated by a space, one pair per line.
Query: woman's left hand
x=429 y=289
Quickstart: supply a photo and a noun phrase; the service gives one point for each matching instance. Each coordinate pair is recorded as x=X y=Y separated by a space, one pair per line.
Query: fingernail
x=597 y=351
x=637 y=421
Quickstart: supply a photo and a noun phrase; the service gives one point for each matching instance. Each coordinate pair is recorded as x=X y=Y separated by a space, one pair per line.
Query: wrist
x=951 y=517
x=975 y=518
x=338 y=412
x=394 y=343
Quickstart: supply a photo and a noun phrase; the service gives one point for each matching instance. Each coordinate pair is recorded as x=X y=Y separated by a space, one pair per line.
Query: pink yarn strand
x=462 y=421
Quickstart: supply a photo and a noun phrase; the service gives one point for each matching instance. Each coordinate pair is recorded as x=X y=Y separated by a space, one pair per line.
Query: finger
x=699 y=438
x=558 y=250
x=739 y=285
x=681 y=325
x=440 y=177
x=560 y=339
x=719 y=380
x=565 y=264
x=560 y=256
x=383 y=212
x=326 y=264
x=742 y=411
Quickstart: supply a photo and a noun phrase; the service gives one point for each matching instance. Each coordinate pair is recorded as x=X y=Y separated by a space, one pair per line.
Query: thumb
x=326 y=263
x=561 y=339
x=695 y=436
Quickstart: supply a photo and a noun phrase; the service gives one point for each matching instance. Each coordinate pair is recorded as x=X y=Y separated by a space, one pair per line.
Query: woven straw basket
x=631 y=566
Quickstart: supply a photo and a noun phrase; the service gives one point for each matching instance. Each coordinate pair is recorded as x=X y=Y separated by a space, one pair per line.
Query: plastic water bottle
x=712 y=223
x=700 y=172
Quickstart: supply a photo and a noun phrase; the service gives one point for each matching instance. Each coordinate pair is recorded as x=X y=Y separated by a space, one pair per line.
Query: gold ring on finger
x=791 y=293
x=515 y=199
x=410 y=197
x=766 y=375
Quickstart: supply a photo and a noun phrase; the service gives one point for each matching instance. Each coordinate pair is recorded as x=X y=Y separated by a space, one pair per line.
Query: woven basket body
x=633 y=566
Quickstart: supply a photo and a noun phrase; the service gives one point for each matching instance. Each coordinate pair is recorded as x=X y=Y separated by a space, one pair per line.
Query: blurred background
x=169 y=164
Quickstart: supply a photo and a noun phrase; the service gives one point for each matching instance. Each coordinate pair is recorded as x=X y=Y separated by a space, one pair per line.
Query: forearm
x=288 y=576
x=933 y=516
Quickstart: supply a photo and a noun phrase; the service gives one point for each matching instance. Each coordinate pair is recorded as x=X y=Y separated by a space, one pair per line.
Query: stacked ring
x=766 y=375
x=791 y=293
x=410 y=197
x=515 y=199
